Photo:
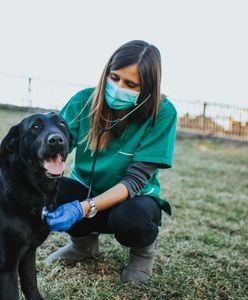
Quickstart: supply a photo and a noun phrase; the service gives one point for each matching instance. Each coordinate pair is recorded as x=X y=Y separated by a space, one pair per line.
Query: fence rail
x=213 y=119
x=35 y=91
x=194 y=116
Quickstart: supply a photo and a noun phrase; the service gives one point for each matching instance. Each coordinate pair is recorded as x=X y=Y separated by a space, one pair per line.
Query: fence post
x=29 y=92
x=204 y=115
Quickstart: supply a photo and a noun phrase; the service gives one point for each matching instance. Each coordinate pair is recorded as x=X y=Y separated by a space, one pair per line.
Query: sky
x=203 y=44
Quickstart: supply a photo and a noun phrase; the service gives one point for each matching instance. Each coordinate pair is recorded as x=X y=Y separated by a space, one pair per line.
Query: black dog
x=32 y=159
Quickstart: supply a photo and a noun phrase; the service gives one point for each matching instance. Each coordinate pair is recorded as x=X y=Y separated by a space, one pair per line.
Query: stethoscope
x=102 y=130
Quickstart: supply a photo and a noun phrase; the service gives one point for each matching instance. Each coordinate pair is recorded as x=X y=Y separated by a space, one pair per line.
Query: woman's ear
x=10 y=142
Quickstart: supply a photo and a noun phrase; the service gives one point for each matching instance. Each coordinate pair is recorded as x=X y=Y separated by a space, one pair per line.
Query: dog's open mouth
x=54 y=167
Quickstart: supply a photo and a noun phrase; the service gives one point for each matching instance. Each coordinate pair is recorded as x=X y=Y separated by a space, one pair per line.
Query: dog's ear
x=10 y=142
x=70 y=139
x=70 y=136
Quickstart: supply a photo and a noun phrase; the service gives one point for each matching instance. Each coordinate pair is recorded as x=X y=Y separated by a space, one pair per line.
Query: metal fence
x=193 y=116
x=213 y=119
x=35 y=91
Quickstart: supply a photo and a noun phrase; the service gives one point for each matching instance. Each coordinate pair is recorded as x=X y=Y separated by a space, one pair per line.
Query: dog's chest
x=38 y=234
x=30 y=235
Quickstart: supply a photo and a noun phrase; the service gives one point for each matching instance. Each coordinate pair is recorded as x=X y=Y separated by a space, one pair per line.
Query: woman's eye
x=114 y=77
x=131 y=85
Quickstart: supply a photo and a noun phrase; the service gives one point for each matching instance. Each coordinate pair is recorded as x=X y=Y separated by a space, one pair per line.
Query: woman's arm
x=134 y=180
x=111 y=197
x=130 y=186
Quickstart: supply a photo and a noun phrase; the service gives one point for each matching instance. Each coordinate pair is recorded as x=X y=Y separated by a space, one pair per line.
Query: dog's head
x=41 y=142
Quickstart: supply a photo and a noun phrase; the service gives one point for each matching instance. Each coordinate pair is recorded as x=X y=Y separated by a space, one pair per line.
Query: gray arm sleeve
x=136 y=176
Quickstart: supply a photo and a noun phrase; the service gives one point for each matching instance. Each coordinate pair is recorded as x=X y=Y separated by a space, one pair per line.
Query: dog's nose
x=55 y=139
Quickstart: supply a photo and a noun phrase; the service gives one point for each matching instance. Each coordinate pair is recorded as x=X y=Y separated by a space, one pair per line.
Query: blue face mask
x=119 y=98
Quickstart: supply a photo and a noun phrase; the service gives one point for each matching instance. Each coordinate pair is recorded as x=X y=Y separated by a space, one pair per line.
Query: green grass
x=9 y=118
x=202 y=250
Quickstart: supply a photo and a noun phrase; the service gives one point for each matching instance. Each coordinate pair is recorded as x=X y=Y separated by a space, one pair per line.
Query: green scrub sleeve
x=73 y=113
x=69 y=112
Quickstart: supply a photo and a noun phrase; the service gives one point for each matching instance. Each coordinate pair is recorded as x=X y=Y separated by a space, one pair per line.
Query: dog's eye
x=35 y=127
x=62 y=124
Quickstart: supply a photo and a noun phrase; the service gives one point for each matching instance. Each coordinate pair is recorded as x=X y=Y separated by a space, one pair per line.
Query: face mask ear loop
x=102 y=130
x=136 y=107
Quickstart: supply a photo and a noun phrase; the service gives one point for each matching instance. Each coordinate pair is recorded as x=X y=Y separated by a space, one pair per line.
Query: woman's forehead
x=129 y=73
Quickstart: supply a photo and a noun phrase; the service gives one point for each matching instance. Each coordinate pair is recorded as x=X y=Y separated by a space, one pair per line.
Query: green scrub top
x=139 y=142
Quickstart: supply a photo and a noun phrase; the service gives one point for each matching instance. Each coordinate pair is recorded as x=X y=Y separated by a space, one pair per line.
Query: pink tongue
x=55 y=166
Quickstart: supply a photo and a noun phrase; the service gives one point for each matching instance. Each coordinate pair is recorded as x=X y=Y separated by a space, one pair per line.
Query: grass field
x=202 y=250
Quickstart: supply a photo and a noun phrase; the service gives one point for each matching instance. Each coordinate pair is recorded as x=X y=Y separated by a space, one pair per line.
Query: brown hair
x=148 y=59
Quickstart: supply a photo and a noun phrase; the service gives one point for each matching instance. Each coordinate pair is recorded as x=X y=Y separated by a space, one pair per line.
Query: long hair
x=148 y=59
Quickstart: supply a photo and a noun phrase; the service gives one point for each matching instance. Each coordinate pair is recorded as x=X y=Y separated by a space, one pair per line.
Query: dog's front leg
x=8 y=285
x=28 y=278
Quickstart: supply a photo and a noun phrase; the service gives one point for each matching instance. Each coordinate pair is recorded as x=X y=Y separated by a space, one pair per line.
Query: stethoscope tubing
x=102 y=130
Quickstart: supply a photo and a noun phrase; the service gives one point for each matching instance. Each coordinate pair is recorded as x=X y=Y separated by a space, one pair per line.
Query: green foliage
x=202 y=250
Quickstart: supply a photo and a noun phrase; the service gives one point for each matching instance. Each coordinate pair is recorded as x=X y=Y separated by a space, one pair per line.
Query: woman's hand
x=62 y=218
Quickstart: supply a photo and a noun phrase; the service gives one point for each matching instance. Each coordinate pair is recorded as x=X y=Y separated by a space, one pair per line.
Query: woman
x=123 y=122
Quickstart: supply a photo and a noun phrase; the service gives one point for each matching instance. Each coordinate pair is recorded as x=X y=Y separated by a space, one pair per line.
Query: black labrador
x=32 y=159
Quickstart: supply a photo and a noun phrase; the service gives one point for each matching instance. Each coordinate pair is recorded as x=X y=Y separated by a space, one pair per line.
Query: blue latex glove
x=62 y=218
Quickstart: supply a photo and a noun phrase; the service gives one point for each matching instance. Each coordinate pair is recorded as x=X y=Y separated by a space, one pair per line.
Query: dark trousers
x=133 y=222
